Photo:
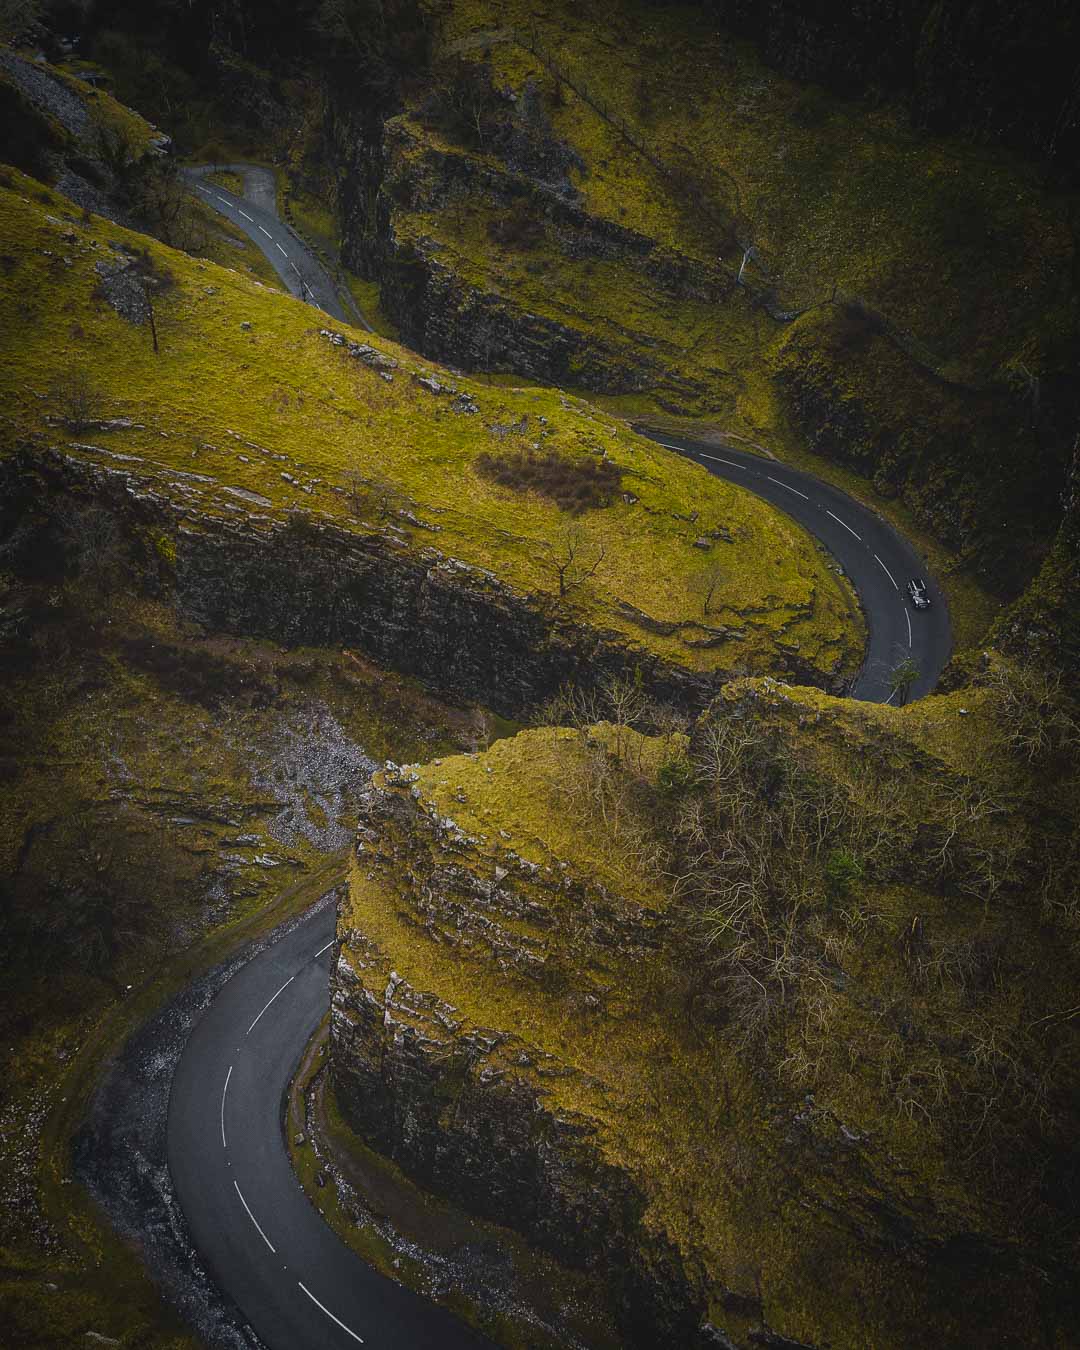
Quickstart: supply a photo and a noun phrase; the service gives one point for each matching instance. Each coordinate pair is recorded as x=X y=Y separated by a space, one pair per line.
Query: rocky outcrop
x=468 y=1109
x=305 y=581
x=441 y=313
x=522 y=1022
x=974 y=463
x=1043 y=626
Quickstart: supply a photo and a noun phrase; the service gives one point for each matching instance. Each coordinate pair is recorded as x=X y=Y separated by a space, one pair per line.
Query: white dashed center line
x=887 y=573
x=223 y=1092
x=253 y=1219
x=325 y=949
x=269 y=1001
x=796 y=491
x=846 y=526
x=908 y=617
x=280 y=249
x=204 y=190
x=266 y=232
x=717 y=460
x=224 y=199
x=329 y=1314
x=246 y=216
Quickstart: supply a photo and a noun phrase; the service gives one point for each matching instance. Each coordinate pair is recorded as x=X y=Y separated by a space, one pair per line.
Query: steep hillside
x=822 y=1096
x=257 y=451
x=634 y=204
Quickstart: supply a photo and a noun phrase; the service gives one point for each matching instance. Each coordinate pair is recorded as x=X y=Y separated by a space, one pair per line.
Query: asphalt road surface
x=879 y=562
x=266 y=1245
x=263 y=1241
x=256 y=214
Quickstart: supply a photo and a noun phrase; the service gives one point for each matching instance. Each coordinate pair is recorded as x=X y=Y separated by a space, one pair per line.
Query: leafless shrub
x=75 y=397
x=1036 y=717
x=94 y=544
x=374 y=495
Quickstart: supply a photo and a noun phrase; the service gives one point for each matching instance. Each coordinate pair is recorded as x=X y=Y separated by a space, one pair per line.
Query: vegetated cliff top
x=254 y=406
x=838 y=1075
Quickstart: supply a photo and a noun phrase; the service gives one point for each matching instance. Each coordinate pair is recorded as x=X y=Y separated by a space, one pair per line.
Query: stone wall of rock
x=465 y=1108
x=306 y=581
x=442 y=315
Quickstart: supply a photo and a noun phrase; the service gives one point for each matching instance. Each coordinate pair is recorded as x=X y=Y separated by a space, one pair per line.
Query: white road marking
x=717 y=460
x=891 y=697
x=246 y=216
x=908 y=617
x=202 y=189
x=845 y=525
x=253 y=1219
x=280 y=991
x=779 y=483
x=294 y=267
x=266 y=232
x=223 y=1092
x=280 y=249
x=223 y=199
x=326 y=948
x=887 y=573
x=329 y=1314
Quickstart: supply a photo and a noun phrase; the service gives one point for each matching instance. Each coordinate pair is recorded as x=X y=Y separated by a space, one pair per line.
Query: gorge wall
x=523 y=1020
x=301 y=581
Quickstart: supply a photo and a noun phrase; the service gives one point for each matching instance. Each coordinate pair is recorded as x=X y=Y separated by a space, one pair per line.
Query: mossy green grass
x=247 y=395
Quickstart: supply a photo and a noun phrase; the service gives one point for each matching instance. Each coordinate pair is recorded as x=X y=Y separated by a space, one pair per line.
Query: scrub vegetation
x=857 y=1000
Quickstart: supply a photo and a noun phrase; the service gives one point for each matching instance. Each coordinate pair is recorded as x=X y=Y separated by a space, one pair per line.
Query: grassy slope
x=665 y=1097
x=963 y=248
x=281 y=387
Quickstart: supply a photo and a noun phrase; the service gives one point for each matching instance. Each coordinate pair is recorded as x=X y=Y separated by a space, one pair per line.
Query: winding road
x=293 y=1280
x=256 y=214
x=878 y=561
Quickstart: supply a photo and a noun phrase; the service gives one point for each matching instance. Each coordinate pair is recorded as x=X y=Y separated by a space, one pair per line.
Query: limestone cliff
x=524 y=1021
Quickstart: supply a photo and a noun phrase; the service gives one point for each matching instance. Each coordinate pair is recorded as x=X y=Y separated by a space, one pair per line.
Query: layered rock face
x=523 y=1022
x=458 y=1092
x=451 y=316
x=306 y=582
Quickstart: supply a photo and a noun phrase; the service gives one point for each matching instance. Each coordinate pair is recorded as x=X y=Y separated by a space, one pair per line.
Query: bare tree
x=705 y=585
x=574 y=560
x=902 y=676
x=94 y=543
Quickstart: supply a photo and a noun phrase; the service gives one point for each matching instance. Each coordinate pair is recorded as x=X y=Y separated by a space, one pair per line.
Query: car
x=920 y=596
